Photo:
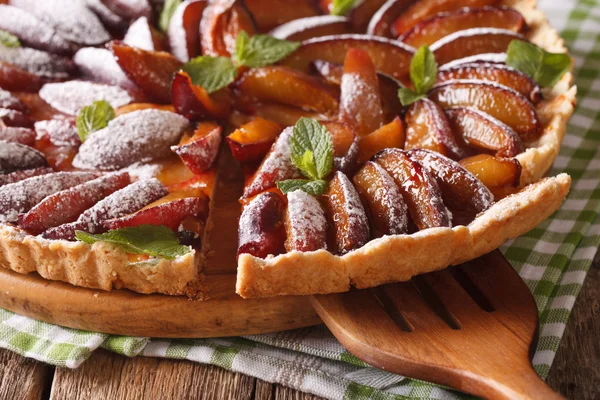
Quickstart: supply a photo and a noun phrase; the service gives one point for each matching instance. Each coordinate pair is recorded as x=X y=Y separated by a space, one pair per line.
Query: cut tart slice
x=114 y=172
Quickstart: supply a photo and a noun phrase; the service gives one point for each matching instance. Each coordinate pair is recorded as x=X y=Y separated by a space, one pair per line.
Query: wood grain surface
x=575 y=373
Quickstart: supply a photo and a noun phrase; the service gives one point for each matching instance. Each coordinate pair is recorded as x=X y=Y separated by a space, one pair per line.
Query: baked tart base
x=387 y=259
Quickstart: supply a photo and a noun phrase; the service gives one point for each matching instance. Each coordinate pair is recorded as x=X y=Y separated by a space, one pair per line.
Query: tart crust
x=391 y=258
x=399 y=257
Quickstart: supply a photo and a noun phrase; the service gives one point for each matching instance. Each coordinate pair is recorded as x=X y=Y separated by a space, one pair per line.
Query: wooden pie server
x=472 y=328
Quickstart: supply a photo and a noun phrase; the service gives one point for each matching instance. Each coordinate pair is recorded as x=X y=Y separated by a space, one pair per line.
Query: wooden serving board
x=127 y=313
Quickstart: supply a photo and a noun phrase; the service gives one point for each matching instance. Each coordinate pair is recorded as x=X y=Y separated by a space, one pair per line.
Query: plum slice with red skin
x=169 y=214
x=138 y=136
x=389 y=56
x=71 y=96
x=471 y=42
x=16 y=156
x=14 y=118
x=125 y=201
x=499 y=101
x=427 y=127
x=73 y=20
x=222 y=21
x=423 y=9
x=269 y=14
x=32 y=32
x=428 y=31
x=251 y=141
x=17 y=176
x=14 y=78
x=287 y=86
x=99 y=65
x=276 y=166
x=37 y=62
x=184 y=29
x=21 y=196
x=59 y=132
x=24 y=136
x=200 y=151
x=348 y=222
x=157 y=73
x=305 y=223
x=493 y=72
x=65 y=206
x=261 y=230
x=360 y=99
x=8 y=100
x=193 y=102
x=483 y=131
x=461 y=190
x=388 y=210
x=419 y=189
x=381 y=22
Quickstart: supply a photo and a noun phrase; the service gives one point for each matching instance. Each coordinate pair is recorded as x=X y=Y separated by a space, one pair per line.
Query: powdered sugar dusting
x=70 y=97
x=106 y=15
x=37 y=62
x=277 y=166
x=306 y=223
x=21 y=175
x=21 y=196
x=59 y=132
x=16 y=156
x=390 y=196
x=7 y=100
x=72 y=19
x=495 y=58
x=100 y=65
x=138 y=136
x=352 y=225
x=33 y=32
x=125 y=201
x=139 y=35
x=17 y=135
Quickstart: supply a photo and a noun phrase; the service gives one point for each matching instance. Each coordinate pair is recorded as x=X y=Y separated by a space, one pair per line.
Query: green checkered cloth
x=553 y=259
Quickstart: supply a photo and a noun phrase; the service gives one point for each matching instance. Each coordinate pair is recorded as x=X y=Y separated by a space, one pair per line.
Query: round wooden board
x=127 y=313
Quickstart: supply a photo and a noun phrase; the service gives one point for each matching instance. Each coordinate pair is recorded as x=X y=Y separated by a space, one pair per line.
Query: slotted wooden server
x=471 y=327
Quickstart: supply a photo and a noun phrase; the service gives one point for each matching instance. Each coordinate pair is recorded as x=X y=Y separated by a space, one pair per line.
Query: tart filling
x=114 y=172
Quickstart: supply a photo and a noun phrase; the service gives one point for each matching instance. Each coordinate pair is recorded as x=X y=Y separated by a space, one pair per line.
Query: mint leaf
x=544 y=67
x=261 y=50
x=212 y=73
x=153 y=240
x=312 y=148
x=9 y=40
x=407 y=96
x=94 y=117
x=341 y=7
x=423 y=73
x=423 y=70
x=167 y=13
x=316 y=187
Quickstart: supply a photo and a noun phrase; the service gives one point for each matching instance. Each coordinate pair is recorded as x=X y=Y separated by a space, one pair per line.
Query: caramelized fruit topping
x=388 y=211
x=261 y=231
x=305 y=223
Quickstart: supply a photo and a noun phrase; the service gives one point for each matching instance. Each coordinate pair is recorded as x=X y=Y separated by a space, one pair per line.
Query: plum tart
x=333 y=147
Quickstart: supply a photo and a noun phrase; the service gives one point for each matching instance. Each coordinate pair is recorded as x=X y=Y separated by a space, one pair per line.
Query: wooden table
x=575 y=373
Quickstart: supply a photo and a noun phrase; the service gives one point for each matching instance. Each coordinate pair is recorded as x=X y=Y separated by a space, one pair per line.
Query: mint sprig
x=94 y=117
x=261 y=50
x=214 y=73
x=341 y=7
x=167 y=13
x=152 y=240
x=9 y=40
x=544 y=67
x=423 y=73
x=312 y=153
